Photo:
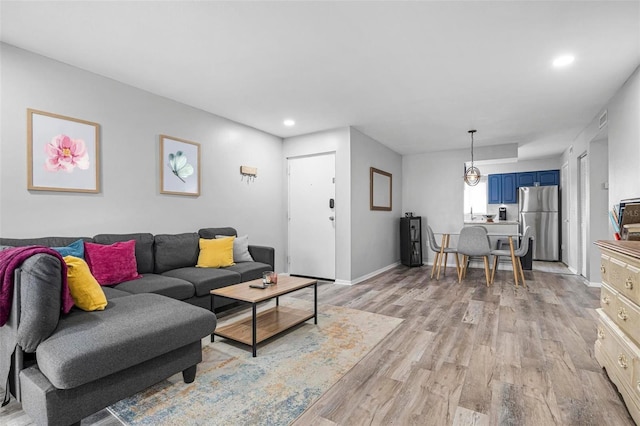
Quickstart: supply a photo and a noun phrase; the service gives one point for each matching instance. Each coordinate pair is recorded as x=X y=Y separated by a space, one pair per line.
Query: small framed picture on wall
x=62 y=153
x=179 y=166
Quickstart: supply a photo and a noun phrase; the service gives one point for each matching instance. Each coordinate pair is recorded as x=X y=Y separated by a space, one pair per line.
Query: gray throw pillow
x=240 y=248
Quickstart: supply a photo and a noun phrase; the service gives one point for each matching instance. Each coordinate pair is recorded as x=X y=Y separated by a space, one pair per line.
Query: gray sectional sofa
x=65 y=367
x=167 y=264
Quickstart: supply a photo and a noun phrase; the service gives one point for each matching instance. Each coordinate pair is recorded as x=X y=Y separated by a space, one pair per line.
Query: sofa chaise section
x=69 y=366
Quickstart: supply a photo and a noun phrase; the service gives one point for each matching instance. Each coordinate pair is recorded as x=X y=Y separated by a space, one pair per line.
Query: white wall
x=552 y=163
x=131 y=120
x=623 y=134
x=375 y=235
x=598 y=214
x=338 y=141
x=432 y=187
x=624 y=141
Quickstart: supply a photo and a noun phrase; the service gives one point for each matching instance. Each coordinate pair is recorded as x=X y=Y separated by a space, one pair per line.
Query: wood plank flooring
x=471 y=355
x=464 y=355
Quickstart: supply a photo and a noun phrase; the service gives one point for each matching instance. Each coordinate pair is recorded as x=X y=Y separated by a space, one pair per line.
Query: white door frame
x=583 y=214
x=565 y=212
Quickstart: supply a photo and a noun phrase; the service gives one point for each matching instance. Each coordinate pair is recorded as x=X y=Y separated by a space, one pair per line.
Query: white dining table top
x=489 y=234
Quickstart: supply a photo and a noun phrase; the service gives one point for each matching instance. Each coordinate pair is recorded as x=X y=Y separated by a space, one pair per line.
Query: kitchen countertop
x=495 y=222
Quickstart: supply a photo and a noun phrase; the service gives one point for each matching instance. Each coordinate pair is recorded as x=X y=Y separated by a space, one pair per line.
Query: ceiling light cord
x=472 y=132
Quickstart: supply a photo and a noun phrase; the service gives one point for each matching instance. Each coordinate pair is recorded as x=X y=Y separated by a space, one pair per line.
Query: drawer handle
x=628 y=284
x=602 y=269
x=622 y=361
x=622 y=314
x=638 y=386
x=601 y=336
x=606 y=300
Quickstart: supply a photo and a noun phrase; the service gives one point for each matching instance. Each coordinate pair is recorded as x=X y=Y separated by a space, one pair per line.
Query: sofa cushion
x=249 y=270
x=217 y=253
x=175 y=251
x=75 y=249
x=44 y=241
x=240 y=248
x=40 y=281
x=85 y=289
x=113 y=263
x=205 y=279
x=159 y=284
x=112 y=293
x=144 y=248
x=90 y=345
x=212 y=232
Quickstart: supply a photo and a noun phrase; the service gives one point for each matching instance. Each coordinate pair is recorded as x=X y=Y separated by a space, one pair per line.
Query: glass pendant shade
x=472 y=174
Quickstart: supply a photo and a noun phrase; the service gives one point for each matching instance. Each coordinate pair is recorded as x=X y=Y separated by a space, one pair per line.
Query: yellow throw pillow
x=216 y=253
x=85 y=290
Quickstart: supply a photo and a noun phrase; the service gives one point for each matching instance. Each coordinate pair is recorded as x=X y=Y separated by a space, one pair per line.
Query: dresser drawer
x=604 y=268
x=620 y=351
x=623 y=274
x=608 y=298
x=627 y=317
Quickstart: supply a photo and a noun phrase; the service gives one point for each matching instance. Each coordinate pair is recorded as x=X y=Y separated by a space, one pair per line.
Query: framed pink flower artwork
x=62 y=153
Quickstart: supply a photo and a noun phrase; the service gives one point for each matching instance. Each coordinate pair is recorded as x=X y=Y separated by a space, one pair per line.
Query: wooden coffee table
x=270 y=322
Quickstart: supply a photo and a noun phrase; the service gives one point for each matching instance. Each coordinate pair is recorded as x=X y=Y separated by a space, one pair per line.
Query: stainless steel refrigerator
x=538 y=207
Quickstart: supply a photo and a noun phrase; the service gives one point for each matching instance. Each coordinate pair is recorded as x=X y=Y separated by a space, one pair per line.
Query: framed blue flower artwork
x=179 y=166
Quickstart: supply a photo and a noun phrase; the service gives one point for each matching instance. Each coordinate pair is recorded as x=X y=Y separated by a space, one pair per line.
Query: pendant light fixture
x=472 y=174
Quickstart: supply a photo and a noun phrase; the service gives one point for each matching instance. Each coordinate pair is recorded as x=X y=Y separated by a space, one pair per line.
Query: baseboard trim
x=366 y=277
x=592 y=283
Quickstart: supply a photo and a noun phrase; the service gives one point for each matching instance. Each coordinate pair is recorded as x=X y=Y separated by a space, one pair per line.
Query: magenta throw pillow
x=114 y=263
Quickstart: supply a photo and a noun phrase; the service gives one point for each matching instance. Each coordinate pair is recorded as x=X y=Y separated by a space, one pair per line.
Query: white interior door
x=312 y=238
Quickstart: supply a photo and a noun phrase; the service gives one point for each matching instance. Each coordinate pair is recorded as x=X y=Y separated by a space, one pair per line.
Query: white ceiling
x=412 y=75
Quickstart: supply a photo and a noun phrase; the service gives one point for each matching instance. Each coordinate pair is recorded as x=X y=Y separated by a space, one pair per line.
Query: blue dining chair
x=473 y=241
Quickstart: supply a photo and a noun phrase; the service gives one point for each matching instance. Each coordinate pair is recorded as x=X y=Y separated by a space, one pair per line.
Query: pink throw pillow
x=112 y=264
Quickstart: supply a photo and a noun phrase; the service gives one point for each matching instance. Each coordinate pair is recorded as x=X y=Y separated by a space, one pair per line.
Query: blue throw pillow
x=75 y=249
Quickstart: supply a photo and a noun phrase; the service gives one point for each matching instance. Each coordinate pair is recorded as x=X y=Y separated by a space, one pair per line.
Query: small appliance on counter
x=502 y=213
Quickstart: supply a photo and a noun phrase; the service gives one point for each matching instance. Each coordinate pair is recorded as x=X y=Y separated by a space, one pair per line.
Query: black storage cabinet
x=411 y=241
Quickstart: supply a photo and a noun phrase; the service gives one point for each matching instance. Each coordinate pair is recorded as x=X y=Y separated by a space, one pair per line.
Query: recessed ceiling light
x=289 y=122
x=563 y=61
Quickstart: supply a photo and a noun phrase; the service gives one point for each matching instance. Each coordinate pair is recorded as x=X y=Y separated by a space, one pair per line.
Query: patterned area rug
x=290 y=372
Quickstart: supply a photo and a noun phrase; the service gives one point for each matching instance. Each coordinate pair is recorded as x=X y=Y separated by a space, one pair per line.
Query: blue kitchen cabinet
x=509 y=188
x=494 y=192
x=527 y=178
x=541 y=178
x=502 y=188
x=549 y=177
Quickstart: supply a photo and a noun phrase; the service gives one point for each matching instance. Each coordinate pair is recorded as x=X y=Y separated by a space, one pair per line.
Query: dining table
x=446 y=238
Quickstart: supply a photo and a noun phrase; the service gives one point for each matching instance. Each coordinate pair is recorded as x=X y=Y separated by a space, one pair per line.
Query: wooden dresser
x=617 y=347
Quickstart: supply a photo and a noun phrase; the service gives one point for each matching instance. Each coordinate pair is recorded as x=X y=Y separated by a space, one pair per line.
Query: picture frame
x=63 y=153
x=179 y=166
x=380 y=190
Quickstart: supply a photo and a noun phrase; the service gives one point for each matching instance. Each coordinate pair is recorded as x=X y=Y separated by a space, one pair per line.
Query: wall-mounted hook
x=250 y=172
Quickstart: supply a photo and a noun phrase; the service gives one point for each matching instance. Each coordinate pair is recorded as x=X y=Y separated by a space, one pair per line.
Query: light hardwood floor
x=471 y=355
x=465 y=355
